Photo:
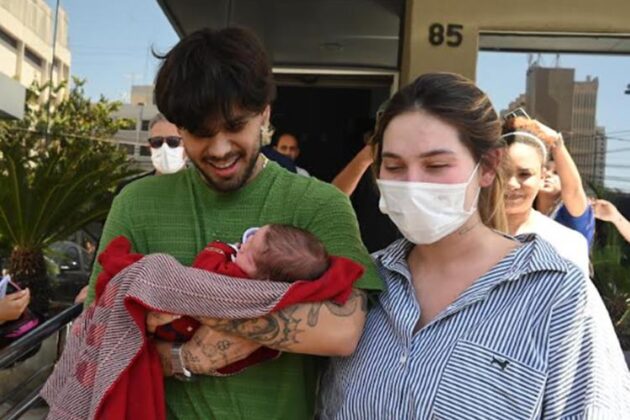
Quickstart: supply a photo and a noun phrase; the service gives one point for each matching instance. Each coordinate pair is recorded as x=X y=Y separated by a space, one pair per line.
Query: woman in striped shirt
x=473 y=324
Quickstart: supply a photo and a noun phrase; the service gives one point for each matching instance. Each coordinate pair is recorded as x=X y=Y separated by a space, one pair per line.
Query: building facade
x=26 y=47
x=133 y=139
x=555 y=98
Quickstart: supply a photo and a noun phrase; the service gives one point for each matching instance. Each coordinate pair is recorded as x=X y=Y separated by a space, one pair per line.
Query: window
x=32 y=57
x=8 y=39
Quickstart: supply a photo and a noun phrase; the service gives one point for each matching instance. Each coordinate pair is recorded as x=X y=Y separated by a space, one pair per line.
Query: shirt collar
x=394 y=256
x=534 y=255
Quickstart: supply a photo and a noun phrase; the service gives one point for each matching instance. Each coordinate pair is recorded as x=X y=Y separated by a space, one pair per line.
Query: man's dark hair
x=279 y=134
x=291 y=254
x=210 y=78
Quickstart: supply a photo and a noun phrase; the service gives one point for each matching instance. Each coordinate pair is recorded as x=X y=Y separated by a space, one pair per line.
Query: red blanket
x=110 y=370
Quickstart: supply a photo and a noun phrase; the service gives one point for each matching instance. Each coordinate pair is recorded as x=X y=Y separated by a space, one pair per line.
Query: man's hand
x=156 y=319
x=12 y=306
x=207 y=351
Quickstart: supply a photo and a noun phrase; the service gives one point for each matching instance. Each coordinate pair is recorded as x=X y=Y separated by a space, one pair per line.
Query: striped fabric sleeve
x=588 y=377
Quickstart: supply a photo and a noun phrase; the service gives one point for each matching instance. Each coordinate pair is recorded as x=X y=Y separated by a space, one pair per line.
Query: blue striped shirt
x=530 y=339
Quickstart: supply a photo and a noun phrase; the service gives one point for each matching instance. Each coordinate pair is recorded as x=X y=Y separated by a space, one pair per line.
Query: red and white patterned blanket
x=108 y=342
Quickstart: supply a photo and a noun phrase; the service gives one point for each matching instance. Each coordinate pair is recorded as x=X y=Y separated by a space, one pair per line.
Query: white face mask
x=168 y=160
x=426 y=212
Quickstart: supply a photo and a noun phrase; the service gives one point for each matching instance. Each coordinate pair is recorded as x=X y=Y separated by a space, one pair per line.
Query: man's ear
x=266 y=114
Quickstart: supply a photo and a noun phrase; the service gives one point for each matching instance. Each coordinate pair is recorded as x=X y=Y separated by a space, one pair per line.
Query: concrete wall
x=458 y=53
x=8 y=58
x=12 y=98
x=30 y=24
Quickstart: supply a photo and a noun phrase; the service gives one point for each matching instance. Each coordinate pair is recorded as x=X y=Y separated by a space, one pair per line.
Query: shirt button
x=403 y=358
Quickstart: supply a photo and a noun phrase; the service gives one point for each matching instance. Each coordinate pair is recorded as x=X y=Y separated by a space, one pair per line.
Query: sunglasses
x=172 y=141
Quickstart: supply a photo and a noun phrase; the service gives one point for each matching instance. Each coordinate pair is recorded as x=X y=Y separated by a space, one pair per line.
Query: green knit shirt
x=179 y=214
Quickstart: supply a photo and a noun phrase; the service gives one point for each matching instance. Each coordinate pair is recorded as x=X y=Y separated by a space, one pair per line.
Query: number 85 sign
x=451 y=34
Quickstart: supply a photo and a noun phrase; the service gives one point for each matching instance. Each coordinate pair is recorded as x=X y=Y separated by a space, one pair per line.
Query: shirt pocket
x=479 y=383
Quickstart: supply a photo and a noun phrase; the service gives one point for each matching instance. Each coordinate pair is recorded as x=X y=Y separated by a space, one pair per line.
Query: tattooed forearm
x=210 y=349
x=300 y=327
x=203 y=354
x=192 y=361
x=277 y=330
x=357 y=300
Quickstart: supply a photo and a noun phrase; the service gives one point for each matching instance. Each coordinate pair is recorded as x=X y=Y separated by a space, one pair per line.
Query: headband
x=530 y=136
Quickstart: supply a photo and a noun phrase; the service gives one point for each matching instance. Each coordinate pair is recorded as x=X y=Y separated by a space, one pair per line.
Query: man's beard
x=238 y=181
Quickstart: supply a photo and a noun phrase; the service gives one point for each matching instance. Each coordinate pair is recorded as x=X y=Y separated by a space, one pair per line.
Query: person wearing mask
x=607 y=212
x=527 y=158
x=288 y=145
x=472 y=323
x=167 y=150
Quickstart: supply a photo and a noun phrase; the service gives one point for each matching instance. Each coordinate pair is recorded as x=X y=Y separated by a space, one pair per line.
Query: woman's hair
x=523 y=136
x=456 y=101
x=291 y=254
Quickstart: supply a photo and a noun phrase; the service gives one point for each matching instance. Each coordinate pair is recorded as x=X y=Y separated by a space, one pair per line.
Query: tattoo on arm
x=278 y=330
x=214 y=353
x=357 y=300
x=191 y=361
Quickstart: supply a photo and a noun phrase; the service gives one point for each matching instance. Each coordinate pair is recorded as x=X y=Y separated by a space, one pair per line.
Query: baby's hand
x=156 y=319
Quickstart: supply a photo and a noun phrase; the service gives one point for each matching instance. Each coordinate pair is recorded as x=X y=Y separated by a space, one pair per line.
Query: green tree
x=612 y=272
x=57 y=173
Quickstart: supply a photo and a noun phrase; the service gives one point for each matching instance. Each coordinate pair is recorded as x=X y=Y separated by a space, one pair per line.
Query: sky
x=111 y=44
x=503 y=76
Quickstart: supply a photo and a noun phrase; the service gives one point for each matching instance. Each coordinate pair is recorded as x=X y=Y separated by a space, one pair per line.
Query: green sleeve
x=335 y=223
x=118 y=223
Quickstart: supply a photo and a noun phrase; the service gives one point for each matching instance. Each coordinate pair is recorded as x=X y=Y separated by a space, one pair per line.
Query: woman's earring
x=266 y=133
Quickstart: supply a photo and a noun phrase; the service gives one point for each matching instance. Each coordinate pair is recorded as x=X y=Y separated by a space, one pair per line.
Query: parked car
x=73 y=267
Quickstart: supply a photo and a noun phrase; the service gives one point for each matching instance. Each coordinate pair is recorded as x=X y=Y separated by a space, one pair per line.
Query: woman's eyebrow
x=431 y=153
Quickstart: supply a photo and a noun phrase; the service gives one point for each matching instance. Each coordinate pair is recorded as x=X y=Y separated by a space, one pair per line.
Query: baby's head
x=283 y=253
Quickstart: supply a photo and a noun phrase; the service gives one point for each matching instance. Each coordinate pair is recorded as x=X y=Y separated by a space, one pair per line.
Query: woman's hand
x=82 y=295
x=550 y=137
x=12 y=306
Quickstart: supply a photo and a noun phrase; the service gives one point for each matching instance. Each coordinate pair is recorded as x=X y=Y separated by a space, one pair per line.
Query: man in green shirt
x=216 y=87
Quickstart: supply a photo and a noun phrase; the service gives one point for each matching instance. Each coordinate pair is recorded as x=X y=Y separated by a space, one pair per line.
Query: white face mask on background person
x=168 y=160
x=426 y=212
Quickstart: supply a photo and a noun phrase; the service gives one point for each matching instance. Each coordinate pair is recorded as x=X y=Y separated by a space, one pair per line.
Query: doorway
x=330 y=114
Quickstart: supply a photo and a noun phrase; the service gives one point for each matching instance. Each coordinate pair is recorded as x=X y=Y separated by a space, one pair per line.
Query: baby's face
x=245 y=257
